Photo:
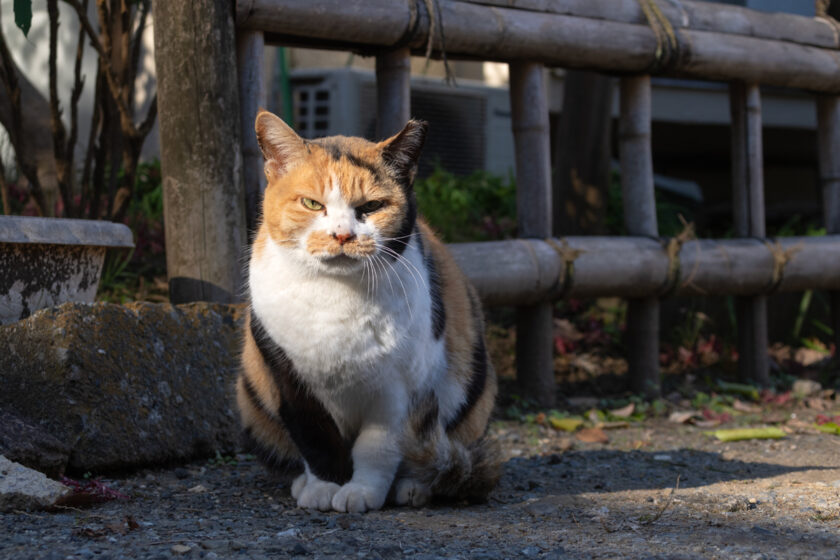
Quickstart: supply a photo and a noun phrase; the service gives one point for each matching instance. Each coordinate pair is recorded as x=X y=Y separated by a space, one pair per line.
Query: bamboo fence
x=633 y=39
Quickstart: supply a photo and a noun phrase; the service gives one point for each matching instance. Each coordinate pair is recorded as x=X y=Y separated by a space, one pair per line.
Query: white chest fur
x=350 y=335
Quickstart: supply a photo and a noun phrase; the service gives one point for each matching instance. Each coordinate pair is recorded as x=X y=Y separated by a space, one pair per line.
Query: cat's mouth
x=341 y=260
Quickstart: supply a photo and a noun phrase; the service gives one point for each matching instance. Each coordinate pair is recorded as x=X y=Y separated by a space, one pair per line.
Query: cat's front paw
x=298 y=485
x=355 y=497
x=411 y=492
x=316 y=494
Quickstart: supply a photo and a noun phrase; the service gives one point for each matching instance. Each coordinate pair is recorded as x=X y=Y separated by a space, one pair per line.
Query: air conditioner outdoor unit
x=469 y=124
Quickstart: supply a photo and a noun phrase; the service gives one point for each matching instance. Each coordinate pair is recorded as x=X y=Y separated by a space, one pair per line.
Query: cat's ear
x=282 y=148
x=402 y=151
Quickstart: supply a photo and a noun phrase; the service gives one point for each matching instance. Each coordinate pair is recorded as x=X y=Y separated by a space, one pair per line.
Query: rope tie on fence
x=672 y=247
x=436 y=28
x=411 y=29
x=781 y=257
x=667 y=42
x=823 y=15
x=568 y=256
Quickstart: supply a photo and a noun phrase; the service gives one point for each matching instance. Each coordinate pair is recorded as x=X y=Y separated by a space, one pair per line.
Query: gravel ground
x=559 y=498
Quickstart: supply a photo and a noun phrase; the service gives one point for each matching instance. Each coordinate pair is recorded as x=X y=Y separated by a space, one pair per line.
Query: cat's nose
x=343 y=238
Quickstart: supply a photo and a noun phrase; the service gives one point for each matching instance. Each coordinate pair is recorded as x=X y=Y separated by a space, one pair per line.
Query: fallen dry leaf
x=817 y=403
x=800 y=426
x=625 y=411
x=774 y=418
x=565 y=328
x=681 y=417
x=88 y=492
x=592 y=435
x=612 y=425
x=809 y=356
x=565 y=424
x=742 y=406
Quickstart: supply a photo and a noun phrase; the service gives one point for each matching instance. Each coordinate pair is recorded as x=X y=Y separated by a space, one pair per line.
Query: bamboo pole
x=828 y=133
x=534 y=323
x=527 y=271
x=250 y=47
x=569 y=41
x=688 y=14
x=393 y=91
x=201 y=149
x=748 y=214
x=639 y=219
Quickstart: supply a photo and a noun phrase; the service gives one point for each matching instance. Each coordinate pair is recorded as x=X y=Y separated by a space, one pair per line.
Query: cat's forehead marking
x=344 y=151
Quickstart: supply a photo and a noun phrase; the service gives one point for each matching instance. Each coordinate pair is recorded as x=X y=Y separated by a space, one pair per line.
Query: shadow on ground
x=614 y=470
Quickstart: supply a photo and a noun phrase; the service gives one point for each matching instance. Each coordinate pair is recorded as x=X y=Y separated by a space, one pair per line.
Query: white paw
x=317 y=494
x=298 y=485
x=408 y=491
x=355 y=497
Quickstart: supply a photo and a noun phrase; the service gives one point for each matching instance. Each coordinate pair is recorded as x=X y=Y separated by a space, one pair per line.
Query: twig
x=59 y=134
x=107 y=70
x=665 y=506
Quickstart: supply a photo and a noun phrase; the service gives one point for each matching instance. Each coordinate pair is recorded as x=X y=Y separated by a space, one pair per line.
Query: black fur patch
x=438 y=310
x=400 y=241
x=336 y=153
x=424 y=415
x=479 y=370
x=310 y=426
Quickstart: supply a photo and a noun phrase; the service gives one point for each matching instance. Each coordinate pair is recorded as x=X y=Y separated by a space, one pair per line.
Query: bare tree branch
x=107 y=67
x=137 y=39
x=63 y=170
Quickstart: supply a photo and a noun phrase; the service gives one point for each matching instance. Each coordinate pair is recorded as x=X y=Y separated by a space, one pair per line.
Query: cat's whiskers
x=409 y=266
x=402 y=285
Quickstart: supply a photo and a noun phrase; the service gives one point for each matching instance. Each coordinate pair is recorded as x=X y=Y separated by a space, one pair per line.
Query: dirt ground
x=559 y=498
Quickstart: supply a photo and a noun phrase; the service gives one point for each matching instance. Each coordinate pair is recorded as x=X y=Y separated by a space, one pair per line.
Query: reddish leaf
x=592 y=435
x=87 y=492
x=823 y=419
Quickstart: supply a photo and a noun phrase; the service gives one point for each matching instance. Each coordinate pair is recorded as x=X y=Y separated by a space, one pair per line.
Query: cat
x=364 y=352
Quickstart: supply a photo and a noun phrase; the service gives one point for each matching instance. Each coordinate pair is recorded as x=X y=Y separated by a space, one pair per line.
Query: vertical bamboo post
x=828 y=136
x=250 y=48
x=748 y=214
x=200 y=148
x=534 y=323
x=640 y=220
x=393 y=91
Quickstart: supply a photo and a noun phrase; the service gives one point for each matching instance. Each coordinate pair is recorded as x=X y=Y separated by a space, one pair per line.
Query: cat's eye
x=311 y=204
x=370 y=206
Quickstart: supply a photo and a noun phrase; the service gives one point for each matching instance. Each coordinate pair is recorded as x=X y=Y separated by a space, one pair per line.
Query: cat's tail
x=450 y=468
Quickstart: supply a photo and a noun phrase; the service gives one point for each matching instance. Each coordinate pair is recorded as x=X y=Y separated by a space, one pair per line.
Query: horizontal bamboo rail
x=689 y=14
x=527 y=271
x=718 y=50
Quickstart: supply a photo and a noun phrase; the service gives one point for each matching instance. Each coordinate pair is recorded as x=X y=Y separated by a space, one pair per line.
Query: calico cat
x=364 y=351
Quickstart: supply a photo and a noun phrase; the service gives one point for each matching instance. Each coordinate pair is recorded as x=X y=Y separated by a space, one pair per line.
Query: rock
x=125 y=385
x=805 y=388
x=26 y=489
x=25 y=443
x=180 y=549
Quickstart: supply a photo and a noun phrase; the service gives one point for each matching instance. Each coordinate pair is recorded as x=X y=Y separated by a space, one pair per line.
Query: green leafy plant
x=477 y=207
